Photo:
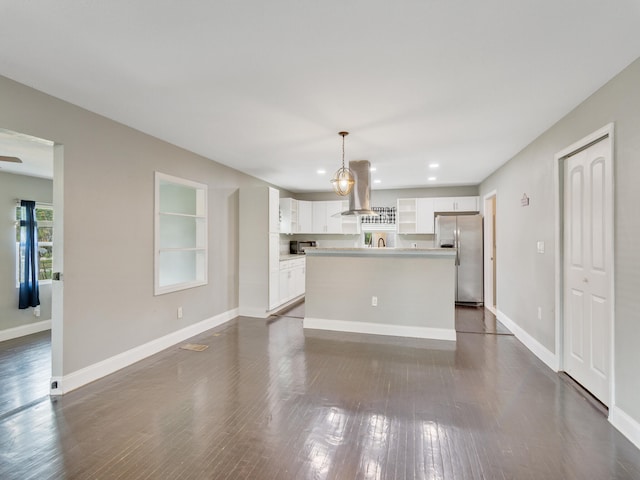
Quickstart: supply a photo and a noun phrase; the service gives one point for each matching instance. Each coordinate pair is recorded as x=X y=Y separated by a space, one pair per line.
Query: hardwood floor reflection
x=478 y=320
x=268 y=400
x=25 y=371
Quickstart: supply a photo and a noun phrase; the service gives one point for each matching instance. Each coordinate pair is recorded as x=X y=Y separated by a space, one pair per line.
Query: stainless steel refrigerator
x=464 y=233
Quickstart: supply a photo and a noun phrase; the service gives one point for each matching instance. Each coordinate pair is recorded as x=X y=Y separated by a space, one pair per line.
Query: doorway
x=490 y=252
x=36 y=166
x=585 y=257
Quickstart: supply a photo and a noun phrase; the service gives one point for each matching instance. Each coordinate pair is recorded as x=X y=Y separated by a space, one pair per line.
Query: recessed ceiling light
x=432 y=179
x=434 y=165
x=372 y=169
x=377 y=181
x=321 y=171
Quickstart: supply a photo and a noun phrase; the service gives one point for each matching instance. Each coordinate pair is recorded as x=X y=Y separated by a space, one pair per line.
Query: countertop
x=289 y=256
x=382 y=252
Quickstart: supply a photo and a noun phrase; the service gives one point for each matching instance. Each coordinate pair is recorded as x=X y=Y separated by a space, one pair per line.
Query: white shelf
x=181 y=247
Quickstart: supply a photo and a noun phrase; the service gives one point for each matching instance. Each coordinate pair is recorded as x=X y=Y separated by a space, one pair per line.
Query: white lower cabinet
x=292 y=279
x=285 y=281
x=298 y=279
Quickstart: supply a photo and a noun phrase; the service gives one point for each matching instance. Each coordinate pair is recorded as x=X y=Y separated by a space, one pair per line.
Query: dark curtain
x=29 y=294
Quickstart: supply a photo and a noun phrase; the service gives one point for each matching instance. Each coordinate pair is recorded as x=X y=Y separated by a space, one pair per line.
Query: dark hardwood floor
x=268 y=400
x=25 y=371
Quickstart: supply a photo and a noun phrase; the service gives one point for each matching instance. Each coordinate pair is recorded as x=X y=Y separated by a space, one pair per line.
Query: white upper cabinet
x=416 y=215
x=456 y=204
x=424 y=213
x=305 y=216
x=319 y=217
x=334 y=219
x=288 y=215
x=407 y=215
x=324 y=220
x=300 y=216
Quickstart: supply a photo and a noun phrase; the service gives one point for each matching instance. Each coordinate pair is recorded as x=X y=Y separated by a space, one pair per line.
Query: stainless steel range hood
x=360 y=196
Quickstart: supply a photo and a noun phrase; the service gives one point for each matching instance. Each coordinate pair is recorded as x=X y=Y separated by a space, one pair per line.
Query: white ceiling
x=36 y=154
x=264 y=87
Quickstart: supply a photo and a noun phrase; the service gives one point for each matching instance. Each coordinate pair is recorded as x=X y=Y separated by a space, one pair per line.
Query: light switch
x=540 y=247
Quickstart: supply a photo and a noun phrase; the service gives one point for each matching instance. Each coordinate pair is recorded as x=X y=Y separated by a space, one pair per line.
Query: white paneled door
x=587 y=272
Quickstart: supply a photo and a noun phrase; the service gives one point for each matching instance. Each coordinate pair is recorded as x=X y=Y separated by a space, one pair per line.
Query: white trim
x=625 y=424
x=57 y=287
x=22 y=330
x=380 y=329
x=549 y=358
x=260 y=313
x=105 y=367
x=201 y=227
x=253 y=312
x=606 y=131
x=58 y=389
x=488 y=251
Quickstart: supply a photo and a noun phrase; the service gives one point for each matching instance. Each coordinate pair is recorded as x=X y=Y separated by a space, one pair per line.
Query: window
x=180 y=234
x=44 y=218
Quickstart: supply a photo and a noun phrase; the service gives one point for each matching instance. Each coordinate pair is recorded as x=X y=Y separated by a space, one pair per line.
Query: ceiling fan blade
x=10 y=159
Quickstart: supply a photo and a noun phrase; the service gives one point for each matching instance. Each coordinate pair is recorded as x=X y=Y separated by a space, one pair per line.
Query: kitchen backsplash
x=386 y=215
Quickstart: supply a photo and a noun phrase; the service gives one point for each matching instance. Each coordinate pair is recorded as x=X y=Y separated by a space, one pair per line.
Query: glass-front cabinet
x=180 y=234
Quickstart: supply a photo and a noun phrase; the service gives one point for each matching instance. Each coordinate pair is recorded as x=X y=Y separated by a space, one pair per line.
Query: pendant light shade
x=343 y=180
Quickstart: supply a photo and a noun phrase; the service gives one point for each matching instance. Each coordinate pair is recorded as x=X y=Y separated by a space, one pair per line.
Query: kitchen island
x=413 y=291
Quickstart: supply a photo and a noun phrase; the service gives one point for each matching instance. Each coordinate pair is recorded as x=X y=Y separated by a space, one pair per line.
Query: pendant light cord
x=343 y=134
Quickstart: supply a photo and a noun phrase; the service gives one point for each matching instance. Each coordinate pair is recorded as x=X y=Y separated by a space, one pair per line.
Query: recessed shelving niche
x=181 y=247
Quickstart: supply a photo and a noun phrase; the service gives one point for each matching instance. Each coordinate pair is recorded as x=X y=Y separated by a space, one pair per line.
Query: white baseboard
x=629 y=427
x=57 y=390
x=380 y=329
x=539 y=350
x=252 y=312
x=22 y=330
x=260 y=313
x=105 y=367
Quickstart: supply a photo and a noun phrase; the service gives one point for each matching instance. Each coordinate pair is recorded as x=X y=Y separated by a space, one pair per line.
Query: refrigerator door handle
x=457 y=240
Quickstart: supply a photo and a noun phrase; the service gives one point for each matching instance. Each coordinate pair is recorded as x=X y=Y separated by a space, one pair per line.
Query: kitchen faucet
x=381 y=240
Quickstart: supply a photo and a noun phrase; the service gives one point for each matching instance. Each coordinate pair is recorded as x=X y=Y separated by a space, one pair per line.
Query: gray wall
x=109 y=305
x=526 y=279
x=413 y=291
x=387 y=198
x=14 y=187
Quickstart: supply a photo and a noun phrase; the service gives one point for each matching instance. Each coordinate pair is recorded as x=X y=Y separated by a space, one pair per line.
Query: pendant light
x=343 y=180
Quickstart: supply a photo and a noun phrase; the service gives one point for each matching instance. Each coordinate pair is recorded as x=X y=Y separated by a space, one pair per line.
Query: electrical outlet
x=179 y=312
x=374 y=301
x=414 y=245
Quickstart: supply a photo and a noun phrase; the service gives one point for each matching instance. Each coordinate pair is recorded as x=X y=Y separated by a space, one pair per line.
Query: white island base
x=414 y=290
